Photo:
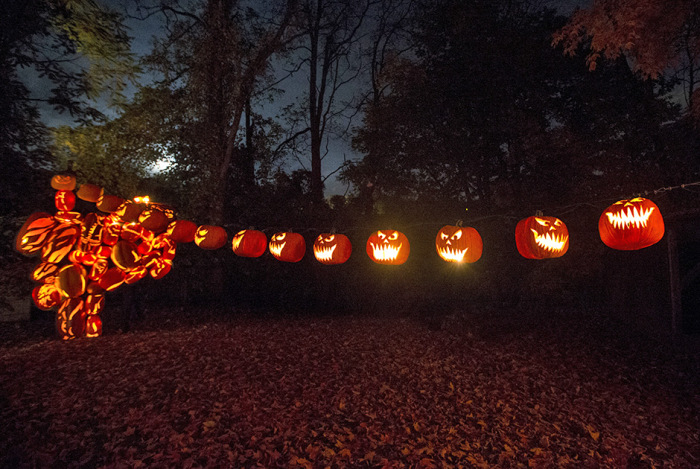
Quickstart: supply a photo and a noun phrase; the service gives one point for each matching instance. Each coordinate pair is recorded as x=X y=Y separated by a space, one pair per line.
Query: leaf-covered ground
x=347 y=392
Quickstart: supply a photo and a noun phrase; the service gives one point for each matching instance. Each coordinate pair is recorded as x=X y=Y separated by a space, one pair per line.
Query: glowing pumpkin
x=34 y=233
x=388 y=247
x=70 y=319
x=109 y=203
x=182 y=231
x=154 y=220
x=45 y=272
x=60 y=243
x=64 y=200
x=124 y=255
x=90 y=192
x=94 y=304
x=631 y=224
x=111 y=279
x=540 y=237
x=459 y=244
x=93 y=327
x=63 y=182
x=71 y=281
x=210 y=237
x=129 y=211
x=46 y=296
x=249 y=243
x=332 y=249
x=287 y=246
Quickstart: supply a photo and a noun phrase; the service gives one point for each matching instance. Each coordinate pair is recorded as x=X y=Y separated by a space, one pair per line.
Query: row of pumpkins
x=85 y=256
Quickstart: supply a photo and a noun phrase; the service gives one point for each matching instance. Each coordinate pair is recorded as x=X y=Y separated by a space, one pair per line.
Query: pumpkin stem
x=459 y=223
x=538 y=213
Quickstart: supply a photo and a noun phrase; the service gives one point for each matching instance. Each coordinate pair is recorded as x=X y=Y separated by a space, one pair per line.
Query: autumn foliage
x=347 y=392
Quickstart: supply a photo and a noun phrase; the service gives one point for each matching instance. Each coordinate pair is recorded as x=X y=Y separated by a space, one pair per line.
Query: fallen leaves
x=342 y=393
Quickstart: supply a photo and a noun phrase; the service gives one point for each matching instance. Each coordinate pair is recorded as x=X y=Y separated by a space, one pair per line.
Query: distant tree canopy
x=485 y=111
x=656 y=37
x=76 y=51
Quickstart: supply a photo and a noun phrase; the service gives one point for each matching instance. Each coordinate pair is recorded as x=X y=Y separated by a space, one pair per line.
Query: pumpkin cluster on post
x=85 y=256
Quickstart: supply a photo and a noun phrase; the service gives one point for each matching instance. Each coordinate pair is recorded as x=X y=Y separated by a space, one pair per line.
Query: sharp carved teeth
x=452 y=255
x=631 y=217
x=384 y=252
x=325 y=254
x=550 y=242
x=276 y=249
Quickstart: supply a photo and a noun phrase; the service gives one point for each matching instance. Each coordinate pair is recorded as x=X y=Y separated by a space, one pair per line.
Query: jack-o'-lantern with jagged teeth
x=388 y=247
x=631 y=224
x=287 y=246
x=332 y=249
x=540 y=237
x=459 y=244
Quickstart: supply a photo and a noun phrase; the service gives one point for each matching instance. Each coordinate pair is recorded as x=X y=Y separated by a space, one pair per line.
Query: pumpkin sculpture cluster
x=85 y=256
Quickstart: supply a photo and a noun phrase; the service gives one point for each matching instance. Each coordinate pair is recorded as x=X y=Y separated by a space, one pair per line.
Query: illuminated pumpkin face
x=93 y=327
x=287 y=246
x=34 y=233
x=210 y=237
x=541 y=237
x=45 y=272
x=64 y=200
x=109 y=203
x=631 y=224
x=46 y=296
x=60 y=243
x=71 y=281
x=332 y=249
x=90 y=192
x=70 y=319
x=459 y=244
x=182 y=231
x=63 y=182
x=388 y=247
x=249 y=243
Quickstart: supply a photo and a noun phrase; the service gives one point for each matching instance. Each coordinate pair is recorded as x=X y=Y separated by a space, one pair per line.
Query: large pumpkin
x=459 y=244
x=90 y=192
x=540 y=237
x=34 y=233
x=287 y=246
x=631 y=224
x=60 y=243
x=71 y=281
x=210 y=237
x=249 y=243
x=332 y=249
x=182 y=231
x=389 y=247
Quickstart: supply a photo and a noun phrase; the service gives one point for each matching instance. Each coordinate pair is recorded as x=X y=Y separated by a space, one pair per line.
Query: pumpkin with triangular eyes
x=459 y=244
x=332 y=248
x=388 y=247
x=286 y=246
x=631 y=224
x=540 y=237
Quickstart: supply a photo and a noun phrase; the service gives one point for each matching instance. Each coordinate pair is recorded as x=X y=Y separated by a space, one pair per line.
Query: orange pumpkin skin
x=249 y=243
x=90 y=192
x=109 y=203
x=540 y=237
x=389 y=247
x=32 y=236
x=63 y=182
x=332 y=249
x=71 y=281
x=182 y=231
x=46 y=296
x=210 y=237
x=459 y=244
x=64 y=200
x=60 y=243
x=287 y=246
x=93 y=327
x=154 y=220
x=70 y=319
x=631 y=224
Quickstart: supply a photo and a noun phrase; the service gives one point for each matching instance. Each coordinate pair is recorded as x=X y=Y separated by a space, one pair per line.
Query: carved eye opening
x=330 y=238
x=457 y=235
x=394 y=236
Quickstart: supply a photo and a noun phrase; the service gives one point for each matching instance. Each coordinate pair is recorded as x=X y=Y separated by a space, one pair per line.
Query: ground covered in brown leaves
x=348 y=392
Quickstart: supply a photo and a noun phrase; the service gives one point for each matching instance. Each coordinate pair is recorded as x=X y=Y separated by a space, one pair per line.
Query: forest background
x=235 y=114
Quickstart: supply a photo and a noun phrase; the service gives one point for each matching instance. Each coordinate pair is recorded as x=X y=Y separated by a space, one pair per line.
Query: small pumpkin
x=70 y=319
x=45 y=272
x=540 y=237
x=631 y=224
x=332 y=249
x=125 y=255
x=249 y=243
x=46 y=296
x=287 y=246
x=71 y=281
x=459 y=244
x=109 y=203
x=210 y=237
x=90 y=192
x=94 y=304
x=111 y=279
x=63 y=182
x=93 y=327
x=64 y=200
x=389 y=247
x=182 y=231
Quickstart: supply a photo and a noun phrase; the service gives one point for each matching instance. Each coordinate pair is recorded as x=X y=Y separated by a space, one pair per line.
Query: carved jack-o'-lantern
x=71 y=281
x=34 y=233
x=332 y=249
x=70 y=319
x=287 y=246
x=631 y=224
x=540 y=237
x=249 y=243
x=459 y=244
x=124 y=255
x=109 y=203
x=45 y=272
x=93 y=327
x=388 y=247
x=63 y=182
x=154 y=220
x=182 y=231
x=210 y=237
x=60 y=243
x=46 y=296
x=64 y=200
